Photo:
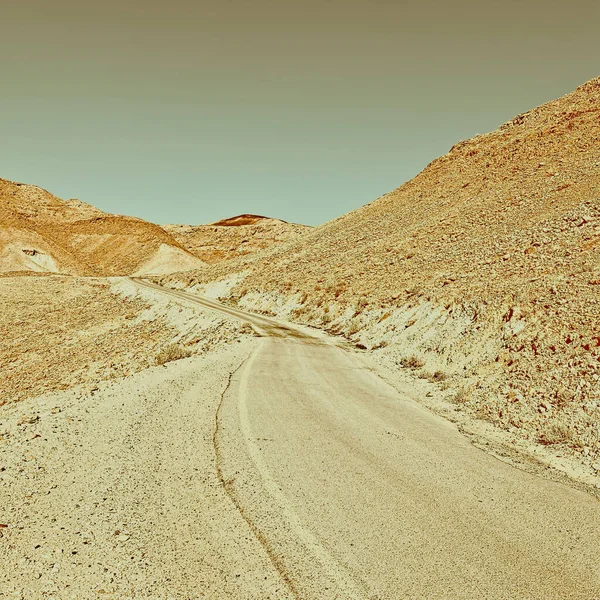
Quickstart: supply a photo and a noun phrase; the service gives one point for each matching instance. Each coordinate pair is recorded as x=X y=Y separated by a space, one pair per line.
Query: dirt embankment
x=481 y=273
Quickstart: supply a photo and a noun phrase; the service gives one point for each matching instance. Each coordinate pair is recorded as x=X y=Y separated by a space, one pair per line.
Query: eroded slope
x=42 y=233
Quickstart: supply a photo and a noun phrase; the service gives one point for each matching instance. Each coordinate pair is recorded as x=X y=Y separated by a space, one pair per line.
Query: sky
x=192 y=111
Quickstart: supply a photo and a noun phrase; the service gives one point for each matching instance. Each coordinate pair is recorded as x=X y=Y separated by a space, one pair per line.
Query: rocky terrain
x=60 y=333
x=481 y=273
x=234 y=237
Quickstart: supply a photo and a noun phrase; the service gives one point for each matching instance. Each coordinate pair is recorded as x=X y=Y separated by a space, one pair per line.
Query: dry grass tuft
x=438 y=376
x=461 y=396
x=412 y=362
x=354 y=327
x=172 y=352
x=555 y=433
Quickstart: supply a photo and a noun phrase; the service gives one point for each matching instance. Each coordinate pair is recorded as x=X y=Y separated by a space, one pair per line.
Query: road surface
x=357 y=492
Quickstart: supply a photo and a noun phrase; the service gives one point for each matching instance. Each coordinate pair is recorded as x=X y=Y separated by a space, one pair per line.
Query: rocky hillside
x=234 y=237
x=42 y=233
x=483 y=271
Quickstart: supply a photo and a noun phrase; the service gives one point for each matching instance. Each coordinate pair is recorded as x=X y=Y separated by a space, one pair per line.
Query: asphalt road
x=356 y=491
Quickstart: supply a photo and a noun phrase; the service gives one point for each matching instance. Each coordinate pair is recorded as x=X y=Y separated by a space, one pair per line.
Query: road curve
x=357 y=492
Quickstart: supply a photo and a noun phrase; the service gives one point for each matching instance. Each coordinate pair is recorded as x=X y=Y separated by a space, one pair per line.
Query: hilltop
x=234 y=237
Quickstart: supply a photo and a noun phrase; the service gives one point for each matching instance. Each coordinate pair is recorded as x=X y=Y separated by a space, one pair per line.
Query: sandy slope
x=40 y=232
x=57 y=332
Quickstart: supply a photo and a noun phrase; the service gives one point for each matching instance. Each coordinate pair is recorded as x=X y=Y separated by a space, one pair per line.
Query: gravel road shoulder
x=116 y=494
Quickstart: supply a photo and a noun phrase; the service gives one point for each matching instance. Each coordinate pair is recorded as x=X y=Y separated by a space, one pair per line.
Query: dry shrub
x=361 y=303
x=354 y=326
x=439 y=376
x=172 y=352
x=412 y=362
x=381 y=344
x=555 y=433
x=299 y=311
x=461 y=396
x=246 y=328
x=435 y=377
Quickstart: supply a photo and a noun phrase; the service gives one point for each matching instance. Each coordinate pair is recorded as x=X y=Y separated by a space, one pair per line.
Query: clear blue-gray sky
x=190 y=111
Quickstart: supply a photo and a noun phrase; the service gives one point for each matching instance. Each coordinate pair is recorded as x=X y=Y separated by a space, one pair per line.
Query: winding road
x=355 y=491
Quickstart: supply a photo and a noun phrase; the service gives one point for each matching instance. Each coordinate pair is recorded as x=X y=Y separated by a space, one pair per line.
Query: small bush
x=361 y=303
x=436 y=377
x=412 y=362
x=246 y=328
x=354 y=326
x=555 y=433
x=462 y=396
x=381 y=344
x=172 y=352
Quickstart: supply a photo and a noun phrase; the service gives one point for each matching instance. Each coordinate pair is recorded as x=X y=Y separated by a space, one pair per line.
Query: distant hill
x=234 y=237
x=42 y=233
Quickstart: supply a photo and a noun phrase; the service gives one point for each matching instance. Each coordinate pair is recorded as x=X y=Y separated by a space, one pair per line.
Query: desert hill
x=484 y=271
x=493 y=213
x=42 y=233
x=234 y=237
